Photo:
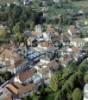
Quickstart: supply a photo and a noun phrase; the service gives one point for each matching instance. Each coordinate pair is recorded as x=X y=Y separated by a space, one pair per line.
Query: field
x=81 y=4
x=6 y=1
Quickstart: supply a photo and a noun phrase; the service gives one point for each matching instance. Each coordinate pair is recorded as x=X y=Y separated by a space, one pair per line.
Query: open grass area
x=81 y=4
x=6 y=1
x=75 y=5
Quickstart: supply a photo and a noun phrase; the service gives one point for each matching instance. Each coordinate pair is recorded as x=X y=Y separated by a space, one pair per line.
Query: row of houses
x=36 y=64
x=28 y=72
x=28 y=81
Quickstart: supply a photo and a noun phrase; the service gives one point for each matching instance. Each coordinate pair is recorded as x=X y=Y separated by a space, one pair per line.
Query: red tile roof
x=8 y=97
x=26 y=74
x=72 y=29
x=10 y=54
x=44 y=44
x=74 y=49
x=19 y=89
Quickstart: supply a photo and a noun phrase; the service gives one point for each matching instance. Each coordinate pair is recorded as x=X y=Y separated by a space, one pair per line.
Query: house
x=47 y=36
x=79 y=15
x=74 y=51
x=40 y=37
x=14 y=62
x=54 y=66
x=65 y=39
x=45 y=59
x=73 y=32
x=33 y=56
x=77 y=42
x=65 y=59
x=81 y=12
x=44 y=45
x=8 y=97
x=9 y=57
x=27 y=33
x=16 y=89
x=45 y=40
x=49 y=54
x=85 y=97
x=28 y=76
x=55 y=37
x=30 y=37
x=4 y=95
x=85 y=39
x=38 y=29
x=37 y=79
x=19 y=66
x=35 y=34
x=50 y=29
x=26 y=2
x=44 y=71
x=32 y=41
x=25 y=76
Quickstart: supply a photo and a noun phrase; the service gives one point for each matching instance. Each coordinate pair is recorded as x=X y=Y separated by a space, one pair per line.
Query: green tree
x=54 y=82
x=29 y=24
x=83 y=67
x=58 y=96
x=35 y=97
x=73 y=66
x=86 y=78
x=16 y=28
x=3 y=32
x=19 y=37
x=7 y=75
x=77 y=94
x=71 y=81
x=27 y=98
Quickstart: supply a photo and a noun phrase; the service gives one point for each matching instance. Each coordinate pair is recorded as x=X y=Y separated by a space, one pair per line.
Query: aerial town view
x=43 y=49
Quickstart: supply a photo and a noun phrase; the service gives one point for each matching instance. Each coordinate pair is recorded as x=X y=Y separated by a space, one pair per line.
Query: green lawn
x=81 y=4
x=7 y=1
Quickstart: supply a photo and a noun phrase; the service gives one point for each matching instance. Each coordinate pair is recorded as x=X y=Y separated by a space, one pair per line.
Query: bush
x=77 y=94
x=86 y=78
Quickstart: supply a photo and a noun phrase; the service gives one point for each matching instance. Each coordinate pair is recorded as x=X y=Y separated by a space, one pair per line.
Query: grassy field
x=81 y=4
x=7 y=1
